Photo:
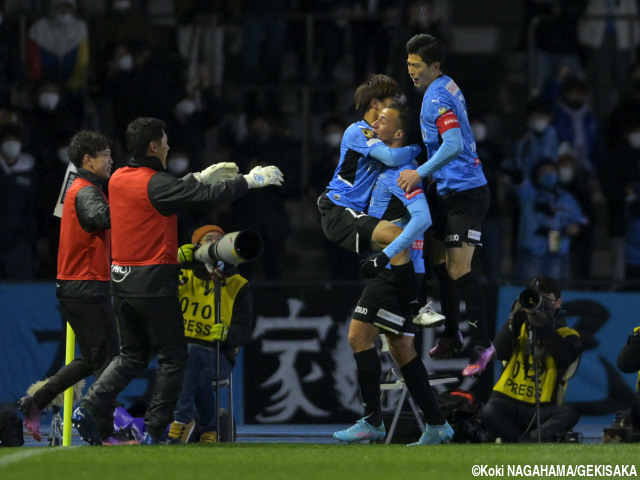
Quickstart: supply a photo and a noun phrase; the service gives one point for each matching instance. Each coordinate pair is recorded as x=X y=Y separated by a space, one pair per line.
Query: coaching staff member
x=144 y=272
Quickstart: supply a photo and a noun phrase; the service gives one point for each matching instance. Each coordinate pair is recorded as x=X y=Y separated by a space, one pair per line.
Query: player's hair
x=84 y=143
x=428 y=47
x=141 y=132
x=376 y=86
x=403 y=115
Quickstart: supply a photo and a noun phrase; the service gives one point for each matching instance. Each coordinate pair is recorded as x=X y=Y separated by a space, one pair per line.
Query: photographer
x=196 y=292
x=536 y=324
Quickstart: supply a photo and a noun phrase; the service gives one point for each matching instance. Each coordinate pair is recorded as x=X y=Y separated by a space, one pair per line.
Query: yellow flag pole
x=68 y=393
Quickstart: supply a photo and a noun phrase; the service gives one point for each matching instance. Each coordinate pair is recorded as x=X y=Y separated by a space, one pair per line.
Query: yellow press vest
x=518 y=379
x=197 y=303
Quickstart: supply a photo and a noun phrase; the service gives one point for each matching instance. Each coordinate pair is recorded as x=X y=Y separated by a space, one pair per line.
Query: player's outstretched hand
x=373 y=265
x=260 y=177
x=218 y=172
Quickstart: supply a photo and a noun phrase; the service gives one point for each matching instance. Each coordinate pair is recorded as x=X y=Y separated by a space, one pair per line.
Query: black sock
x=405 y=277
x=449 y=299
x=369 y=373
x=473 y=296
x=416 y=378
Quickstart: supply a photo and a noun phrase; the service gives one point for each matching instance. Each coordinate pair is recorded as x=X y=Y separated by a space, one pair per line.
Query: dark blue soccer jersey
x=357 y=171
x=443 y=108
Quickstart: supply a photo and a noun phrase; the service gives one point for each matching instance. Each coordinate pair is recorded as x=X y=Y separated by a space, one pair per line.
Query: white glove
x=264 y=176
x=218 y=172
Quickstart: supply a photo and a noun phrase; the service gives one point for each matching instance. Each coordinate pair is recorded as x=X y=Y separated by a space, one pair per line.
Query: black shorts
x=346 y=227
x=380 y=305
x=457 y=217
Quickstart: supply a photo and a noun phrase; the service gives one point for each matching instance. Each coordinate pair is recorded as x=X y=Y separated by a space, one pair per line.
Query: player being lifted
x=343 y=204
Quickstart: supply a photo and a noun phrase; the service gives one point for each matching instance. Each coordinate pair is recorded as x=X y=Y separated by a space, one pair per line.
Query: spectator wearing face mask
x=549 y=218
x=540 y=140
x=18 y=224
x=576 y=124
x=58 y=48
x=577 y=180
x=123 y=22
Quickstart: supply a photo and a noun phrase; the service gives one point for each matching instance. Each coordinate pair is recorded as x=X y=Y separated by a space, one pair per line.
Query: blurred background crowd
x=552 y=87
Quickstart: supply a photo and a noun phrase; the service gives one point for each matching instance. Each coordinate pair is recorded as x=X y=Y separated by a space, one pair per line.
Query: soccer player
x=343 y=204
x=462 y=186
x=380 y=307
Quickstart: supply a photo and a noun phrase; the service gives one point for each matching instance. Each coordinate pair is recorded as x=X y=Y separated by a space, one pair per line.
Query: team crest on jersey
x=368 y=133
x=413 y=192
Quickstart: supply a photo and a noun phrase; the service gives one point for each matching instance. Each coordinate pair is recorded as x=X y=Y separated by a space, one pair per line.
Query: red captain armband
x=447 y=121
x=413 y=192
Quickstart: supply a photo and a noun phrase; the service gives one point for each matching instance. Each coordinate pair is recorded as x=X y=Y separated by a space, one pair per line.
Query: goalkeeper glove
x=264 y=176
x=373 y=265
x=218 y=172
x=219 y=332
x=185 y=253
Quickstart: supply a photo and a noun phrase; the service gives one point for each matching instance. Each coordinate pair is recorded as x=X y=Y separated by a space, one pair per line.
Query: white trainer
x=427 y=317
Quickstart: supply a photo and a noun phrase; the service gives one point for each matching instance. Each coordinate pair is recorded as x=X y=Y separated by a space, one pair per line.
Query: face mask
x=178 y=166
x=539 y=125
x=125 y=63
x=65 y=18
x=63 y=155
x=11 y=148
x=121 y=6
x=548 y=181
x=48 y=101
x=479 y=132
x=333 y=140
x=565 y=174
x=634 y=140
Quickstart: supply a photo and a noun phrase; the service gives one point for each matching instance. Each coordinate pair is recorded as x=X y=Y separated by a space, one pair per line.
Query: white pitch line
x=23 y=454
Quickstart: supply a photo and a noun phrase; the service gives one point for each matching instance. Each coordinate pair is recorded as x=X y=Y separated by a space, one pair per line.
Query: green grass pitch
x=272 y=461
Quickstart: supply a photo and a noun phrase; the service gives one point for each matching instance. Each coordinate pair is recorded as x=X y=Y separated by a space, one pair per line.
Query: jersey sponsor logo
x=473 y=235
x=452 y=88
x=447 y=121
x=361 y=310
x=119 y=273
x=417 y=245
x=413 y=192
x=452 y=238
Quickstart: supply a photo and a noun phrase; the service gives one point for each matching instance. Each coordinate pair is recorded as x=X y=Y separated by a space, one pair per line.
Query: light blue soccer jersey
x=357 y=171
x=390 y=202
x=443 y=108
